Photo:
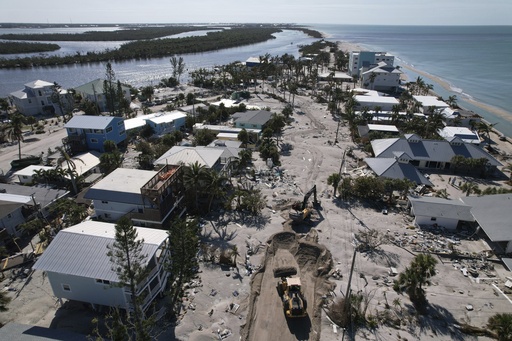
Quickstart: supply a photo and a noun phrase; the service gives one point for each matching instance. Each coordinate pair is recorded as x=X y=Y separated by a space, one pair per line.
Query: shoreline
x=492 y=110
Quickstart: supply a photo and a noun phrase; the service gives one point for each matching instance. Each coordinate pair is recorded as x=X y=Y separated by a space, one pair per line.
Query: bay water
x=471 y=62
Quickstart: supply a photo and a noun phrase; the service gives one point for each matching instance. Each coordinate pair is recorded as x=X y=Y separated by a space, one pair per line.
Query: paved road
x=33 y=145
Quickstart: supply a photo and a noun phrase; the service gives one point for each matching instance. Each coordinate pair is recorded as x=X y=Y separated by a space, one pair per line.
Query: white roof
x=29 y=170
x=225 y=129
x=89 y=122
x=38 y=84
x=228 y=103
x=84 y=162
x=383 y=127
x=81 y=250
x=205 y=156
x=228 y=136
x=375 y=99
x=167 y=117
x=125 y=180
x=430 y=101
x=20 y=199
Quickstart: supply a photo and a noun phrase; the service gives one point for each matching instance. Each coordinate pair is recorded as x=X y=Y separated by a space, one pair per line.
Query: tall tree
x=178 y=67
x=14 y=130
x=64 y=157
x=109 y=88
x=129 y=263
x=193 y=178
x=184 y=242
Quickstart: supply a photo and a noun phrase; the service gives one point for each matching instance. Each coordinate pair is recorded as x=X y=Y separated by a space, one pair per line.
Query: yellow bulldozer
x=294 y=302
x=301 y=210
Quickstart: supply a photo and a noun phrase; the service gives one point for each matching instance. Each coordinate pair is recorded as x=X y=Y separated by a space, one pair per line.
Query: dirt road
x=266 y=319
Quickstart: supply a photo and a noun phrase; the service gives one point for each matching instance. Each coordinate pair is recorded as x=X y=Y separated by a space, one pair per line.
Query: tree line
x=11 y=47
x=144 y=49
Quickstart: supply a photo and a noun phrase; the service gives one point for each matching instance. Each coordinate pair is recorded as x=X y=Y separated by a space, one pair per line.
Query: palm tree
x=415 y=276
x=215 y=186
x=71 y=166
x=14 y=130
x=452 y=101
x=470 y=187
x=501 y=323
x=193 y=179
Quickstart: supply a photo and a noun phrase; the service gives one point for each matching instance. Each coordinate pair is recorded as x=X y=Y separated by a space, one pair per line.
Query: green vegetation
x=141 y=47
x=8 y=47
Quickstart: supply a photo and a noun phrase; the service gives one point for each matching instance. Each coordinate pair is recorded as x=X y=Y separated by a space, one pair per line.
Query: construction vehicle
x=302 y=212
x=290 y=291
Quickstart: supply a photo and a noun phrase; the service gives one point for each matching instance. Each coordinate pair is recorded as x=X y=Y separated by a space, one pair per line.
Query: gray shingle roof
x=493 y=214
x=81 y=250
x=43 y=195
x=391 y=168
x=89 y=122
x=439 y=207
x=258 y=117
x=429 y=150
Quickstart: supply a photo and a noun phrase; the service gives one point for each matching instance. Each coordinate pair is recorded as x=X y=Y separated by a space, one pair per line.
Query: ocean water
x=474 y=61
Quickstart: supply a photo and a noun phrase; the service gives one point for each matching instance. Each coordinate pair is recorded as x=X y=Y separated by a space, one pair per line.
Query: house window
x=71 y=130
x=107 y=215
x=25 y=177
x=98 y=131
x=40 y=94
x=9 y=216
x=66 y=287
x=121 y=132
x=141 y=210
x=29 y=101
x=102 y=281
x=88 y=131
x=94 y=140
x=109 y=129
x=120 y=122
x=433 y=219
x=104 y=202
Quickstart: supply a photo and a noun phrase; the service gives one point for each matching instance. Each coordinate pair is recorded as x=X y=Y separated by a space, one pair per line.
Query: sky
x=376 y=12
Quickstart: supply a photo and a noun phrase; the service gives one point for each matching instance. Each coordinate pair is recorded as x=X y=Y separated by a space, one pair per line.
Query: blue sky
x=379 y=12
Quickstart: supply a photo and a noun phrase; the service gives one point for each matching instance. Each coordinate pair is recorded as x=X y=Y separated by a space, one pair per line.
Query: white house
x=78 y=267
x=466 y=135
x=371 y=102
x=363 y=60
x=26 y=175
x=429 y=103
x=382 y=77
x=39 y=98
x=429 y=211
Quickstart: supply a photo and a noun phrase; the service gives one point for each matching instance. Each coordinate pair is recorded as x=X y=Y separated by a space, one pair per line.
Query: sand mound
x=265 y=319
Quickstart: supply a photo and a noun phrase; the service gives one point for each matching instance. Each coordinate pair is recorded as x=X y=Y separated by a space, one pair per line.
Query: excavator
x=290 y=291
x=302 y=211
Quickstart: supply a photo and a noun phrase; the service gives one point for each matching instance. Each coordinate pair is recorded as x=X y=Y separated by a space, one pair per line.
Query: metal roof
x=441 y=208
x=392 y=169
x=44 y=195
x=189 y=155
x=167 y=117
x=430 y=150
x=38 y=84
x=89 y=122
x=493 y=214
x=375 y=99
x=29 y=170
x=122 y=185
x=430 y=101
x=95 y=87
x=84 y=162
x=81 y=250
x=15 y=198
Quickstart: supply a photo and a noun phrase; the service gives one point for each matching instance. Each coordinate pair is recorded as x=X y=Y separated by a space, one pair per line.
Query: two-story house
x=94 y=92
x=149 y=198
x=90 y=132
x=78 y=267
x=41 y=98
